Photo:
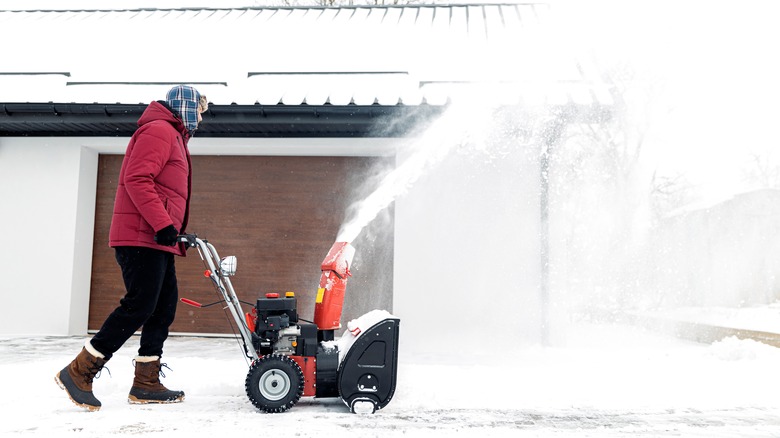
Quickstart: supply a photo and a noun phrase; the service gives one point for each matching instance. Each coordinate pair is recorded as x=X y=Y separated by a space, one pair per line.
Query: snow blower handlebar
x=189 y=240
x=219 y=270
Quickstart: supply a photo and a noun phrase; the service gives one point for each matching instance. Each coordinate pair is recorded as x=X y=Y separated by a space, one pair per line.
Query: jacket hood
x=184 y=100
x=160 y=111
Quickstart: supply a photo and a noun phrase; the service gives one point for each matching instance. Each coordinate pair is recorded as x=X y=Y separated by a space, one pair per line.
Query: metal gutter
x=79 y=119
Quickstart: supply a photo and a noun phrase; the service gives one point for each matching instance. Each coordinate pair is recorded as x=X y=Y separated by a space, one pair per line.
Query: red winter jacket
x=154 y=183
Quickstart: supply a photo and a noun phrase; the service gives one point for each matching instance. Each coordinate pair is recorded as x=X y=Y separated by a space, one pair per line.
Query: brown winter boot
x=146 y=385
x=76 y=378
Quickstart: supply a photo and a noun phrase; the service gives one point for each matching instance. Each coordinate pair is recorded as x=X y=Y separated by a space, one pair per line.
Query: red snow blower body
x=291 y=358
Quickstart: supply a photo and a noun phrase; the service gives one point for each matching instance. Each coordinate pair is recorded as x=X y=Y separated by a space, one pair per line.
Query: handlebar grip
x=187 y=239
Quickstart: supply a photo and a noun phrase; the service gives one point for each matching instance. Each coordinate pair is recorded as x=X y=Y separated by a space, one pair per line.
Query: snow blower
x=290 y=357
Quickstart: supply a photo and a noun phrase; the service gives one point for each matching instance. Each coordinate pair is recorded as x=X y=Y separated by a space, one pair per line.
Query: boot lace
x=94 y=371
x=160 y=371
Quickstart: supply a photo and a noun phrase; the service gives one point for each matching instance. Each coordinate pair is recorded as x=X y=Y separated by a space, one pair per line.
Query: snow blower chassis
x=291 y=359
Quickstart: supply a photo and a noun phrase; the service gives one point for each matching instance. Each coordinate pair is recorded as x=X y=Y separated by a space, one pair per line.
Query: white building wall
x=83 y=231
x=47 y=192
x=467 y=256
x=724 y=255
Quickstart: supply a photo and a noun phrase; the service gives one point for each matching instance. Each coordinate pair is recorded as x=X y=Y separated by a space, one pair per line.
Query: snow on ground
x=608 y=381
x=758 y=318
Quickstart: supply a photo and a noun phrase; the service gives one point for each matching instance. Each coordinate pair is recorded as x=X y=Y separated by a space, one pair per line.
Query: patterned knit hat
x=185 y=100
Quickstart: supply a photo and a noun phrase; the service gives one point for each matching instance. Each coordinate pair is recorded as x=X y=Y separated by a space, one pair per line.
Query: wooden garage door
x=278 y=215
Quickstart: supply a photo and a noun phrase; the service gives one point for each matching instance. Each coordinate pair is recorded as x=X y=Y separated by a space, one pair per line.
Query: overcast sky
x=713 y=70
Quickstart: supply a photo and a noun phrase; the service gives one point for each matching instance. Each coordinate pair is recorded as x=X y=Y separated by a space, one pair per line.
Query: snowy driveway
x=604 y=382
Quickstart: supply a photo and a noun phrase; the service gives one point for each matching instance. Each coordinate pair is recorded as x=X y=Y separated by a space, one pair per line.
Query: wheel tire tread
x=251 y=384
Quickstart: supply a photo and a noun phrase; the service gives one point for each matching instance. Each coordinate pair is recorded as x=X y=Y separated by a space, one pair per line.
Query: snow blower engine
x=291 y=358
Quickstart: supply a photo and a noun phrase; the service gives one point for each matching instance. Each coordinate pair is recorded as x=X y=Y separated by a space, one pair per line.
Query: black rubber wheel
x=274 y=383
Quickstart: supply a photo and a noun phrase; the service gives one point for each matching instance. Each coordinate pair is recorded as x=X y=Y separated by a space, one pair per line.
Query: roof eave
x=78 y=119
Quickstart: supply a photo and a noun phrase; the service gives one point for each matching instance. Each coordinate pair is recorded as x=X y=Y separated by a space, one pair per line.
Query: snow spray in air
x=455 y=128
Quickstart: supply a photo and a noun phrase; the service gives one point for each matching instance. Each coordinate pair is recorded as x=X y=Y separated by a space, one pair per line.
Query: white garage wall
x=47 y=189
x=467 y=264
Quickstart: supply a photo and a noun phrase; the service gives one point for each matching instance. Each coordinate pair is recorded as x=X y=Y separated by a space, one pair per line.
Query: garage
x=289 y=128
x=278 y=214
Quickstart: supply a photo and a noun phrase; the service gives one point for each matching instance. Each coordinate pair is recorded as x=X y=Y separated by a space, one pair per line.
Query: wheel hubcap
x=274 y=385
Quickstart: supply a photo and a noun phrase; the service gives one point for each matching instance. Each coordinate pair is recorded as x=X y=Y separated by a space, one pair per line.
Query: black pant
x=152 y=295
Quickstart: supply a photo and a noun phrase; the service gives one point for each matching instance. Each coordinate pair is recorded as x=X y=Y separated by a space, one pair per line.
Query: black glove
x=166 y=236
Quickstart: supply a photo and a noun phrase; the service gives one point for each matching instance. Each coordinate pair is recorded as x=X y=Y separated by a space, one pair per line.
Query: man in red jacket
x=151 y=209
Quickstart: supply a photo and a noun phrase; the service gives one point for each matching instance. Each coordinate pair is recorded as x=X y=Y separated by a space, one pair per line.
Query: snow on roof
x=274 y=55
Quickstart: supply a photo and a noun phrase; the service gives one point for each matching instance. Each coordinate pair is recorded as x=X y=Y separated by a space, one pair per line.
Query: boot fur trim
x=91 y=350
x=146 y=359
